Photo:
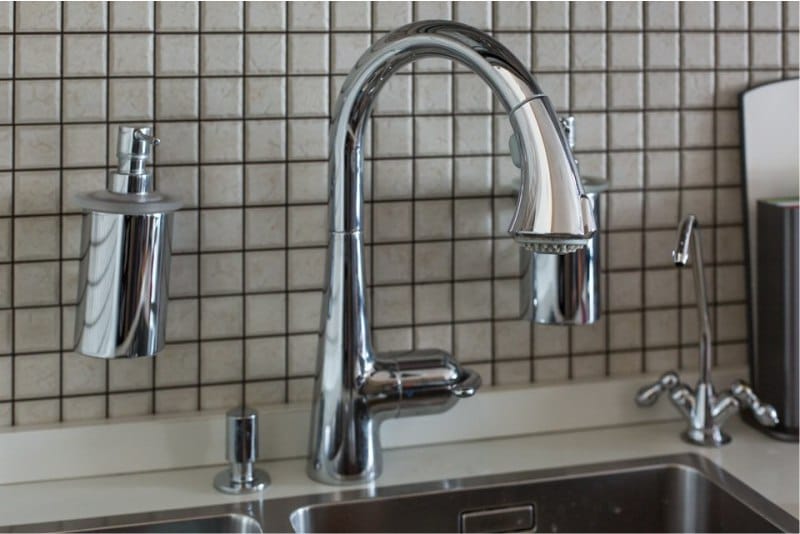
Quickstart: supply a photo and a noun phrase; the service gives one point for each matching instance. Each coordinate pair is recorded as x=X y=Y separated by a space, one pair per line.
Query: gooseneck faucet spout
x=703 y=409
x=355 y=388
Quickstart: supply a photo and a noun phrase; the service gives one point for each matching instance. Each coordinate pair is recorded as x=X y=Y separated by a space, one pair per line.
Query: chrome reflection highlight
x=356 y=389
x=125 y=258
x=704 y=410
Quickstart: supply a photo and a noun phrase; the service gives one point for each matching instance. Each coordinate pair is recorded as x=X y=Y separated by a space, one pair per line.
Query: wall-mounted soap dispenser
x=125 y=258
x=565 y=289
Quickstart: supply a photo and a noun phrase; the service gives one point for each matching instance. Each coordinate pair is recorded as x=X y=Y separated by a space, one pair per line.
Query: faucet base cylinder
x=713 y=438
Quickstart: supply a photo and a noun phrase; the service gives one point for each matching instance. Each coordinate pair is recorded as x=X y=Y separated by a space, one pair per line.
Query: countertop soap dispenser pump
x=125 y=257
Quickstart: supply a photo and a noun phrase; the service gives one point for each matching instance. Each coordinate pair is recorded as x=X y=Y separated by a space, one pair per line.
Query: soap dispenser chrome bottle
x=125 y=258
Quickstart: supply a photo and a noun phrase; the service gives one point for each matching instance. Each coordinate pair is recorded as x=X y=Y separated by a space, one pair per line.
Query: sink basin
x=680 y=493
x=218 y=523
x=673 y=496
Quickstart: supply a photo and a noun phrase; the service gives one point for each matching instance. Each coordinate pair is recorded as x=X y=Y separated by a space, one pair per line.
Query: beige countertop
x=768 y=466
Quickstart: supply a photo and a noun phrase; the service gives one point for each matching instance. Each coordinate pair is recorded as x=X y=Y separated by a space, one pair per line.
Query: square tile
x=131 y=54
x=346 y=49
x=309 y=96
x=626 y=90
x=662 y=15
x=222 y=55
x=85 y=16
x=37 y=329
x=84 y=100
x=266 y=97
x=388 y=15
x=265 y=227
x=221 y=317
x=551 y=16
x=36 y=284
x=177 y=16
x=182 y=139
x=221 y=142
x=221 y=98
x=266 y=54
x=308 y=182
x=662 y=50
x=551 y=51
x=130 y=99
x=697 y=89
x=766 y=49
x=222 y=185
x=766 y=16
x=36 y=192
x=126 y=374
x=37 y=101
x=6 y=56
x=38 y=17
x=391 y=306
x=39 y=56
x=36 y=146
x=177 y=98
x=351 y=15
x=588 y=51
x=266 y=314
x=265 y=16
x=265 y=140
x=131 y=16
x=308 y=53
x=513 y=16
x=433 y=136
x=36 y=375
x=626 y=51
x=697 y=15
x=221 y=229
x=308 y=138
x=697 y=50
x=221 y=16
x=265 y=183
x=308 y=16
x=306 y=268
x=177 y=55
x=265 y=271
x=625 y=16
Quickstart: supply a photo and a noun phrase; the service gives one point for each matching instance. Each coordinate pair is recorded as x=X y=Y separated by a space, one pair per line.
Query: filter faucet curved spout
x=355 y=388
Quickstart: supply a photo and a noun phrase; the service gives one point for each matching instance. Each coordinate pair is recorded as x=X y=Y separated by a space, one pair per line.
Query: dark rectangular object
x=775 y=364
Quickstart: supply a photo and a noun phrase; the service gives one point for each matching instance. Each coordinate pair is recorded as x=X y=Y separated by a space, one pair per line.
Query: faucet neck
x=511 y=82
x=689 y=236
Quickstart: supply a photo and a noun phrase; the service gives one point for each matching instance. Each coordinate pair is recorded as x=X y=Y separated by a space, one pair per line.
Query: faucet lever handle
x=648 y=395
x=765 y=414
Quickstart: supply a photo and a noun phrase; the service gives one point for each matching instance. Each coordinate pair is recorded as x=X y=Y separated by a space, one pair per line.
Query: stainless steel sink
x=217 y=523
x=681 y=493
x=670 y=497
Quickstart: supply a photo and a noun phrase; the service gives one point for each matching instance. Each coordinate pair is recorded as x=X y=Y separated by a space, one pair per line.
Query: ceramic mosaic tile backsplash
x=241 y=95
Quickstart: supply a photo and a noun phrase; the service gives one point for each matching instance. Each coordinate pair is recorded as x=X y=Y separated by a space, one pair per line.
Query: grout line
x=642 y=233
x=61 y=227
x=199 y=180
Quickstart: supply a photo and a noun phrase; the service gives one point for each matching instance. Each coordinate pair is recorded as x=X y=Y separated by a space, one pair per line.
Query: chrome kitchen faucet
x=702 y=408
x=356 y=389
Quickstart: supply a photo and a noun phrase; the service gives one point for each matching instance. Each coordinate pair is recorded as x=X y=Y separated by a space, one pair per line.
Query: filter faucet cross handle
x=241 y=450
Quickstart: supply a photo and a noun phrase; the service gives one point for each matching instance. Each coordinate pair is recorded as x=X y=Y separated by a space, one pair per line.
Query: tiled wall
x=241 y=97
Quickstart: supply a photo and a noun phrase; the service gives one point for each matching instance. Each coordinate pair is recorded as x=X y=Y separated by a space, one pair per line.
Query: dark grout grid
x=248 y=247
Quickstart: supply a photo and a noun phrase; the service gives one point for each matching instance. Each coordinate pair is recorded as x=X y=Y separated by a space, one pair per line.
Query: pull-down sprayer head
x=553 y=214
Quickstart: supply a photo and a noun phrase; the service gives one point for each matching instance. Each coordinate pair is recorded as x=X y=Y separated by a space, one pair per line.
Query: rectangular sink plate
x=679 y=493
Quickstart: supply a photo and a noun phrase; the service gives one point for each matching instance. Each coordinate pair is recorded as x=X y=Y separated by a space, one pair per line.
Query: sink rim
x=688 y=461
x=274 y=515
